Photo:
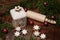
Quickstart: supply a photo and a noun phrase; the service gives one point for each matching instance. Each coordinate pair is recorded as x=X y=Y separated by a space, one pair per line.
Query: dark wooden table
x=52 y=32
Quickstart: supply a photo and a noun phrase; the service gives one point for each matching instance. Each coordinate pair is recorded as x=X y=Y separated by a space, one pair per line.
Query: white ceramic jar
x=18 y=15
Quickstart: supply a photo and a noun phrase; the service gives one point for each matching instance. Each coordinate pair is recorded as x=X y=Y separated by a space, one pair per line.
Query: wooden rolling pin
x=39 y=17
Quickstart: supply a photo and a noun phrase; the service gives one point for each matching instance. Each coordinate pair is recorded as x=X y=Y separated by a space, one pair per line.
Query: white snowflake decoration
x=36 y=33
x=43 y=36
x=36 y=27
x=16 y=34
x=24 y=31
x=17 y=28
